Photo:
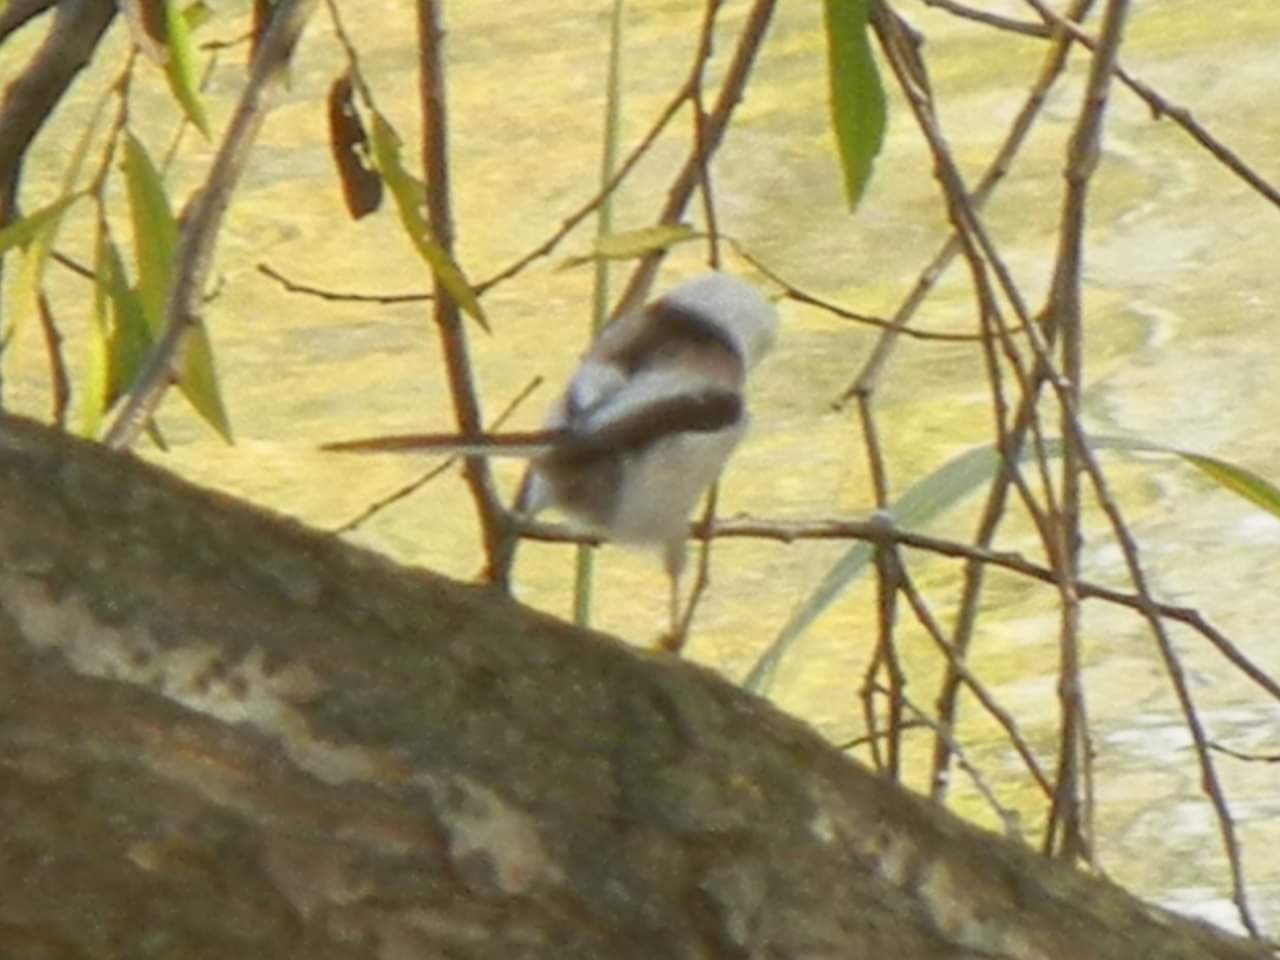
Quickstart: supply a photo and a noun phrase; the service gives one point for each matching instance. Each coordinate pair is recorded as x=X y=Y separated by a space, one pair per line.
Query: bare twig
x=1008 y=24
x=702 y=578
x=888 y=583
x=418 y=483
x=991 y=178
x=873 y=531
x=200 y=232
x=706 y=38
x=1162 y=108
x=1063 y=313
x=731 y=90
x=1247 y=757
x=57 y=364
x=30 y=97
x=1008 y=818
x=293 y=286
x=453 y=337
x=984 y=697
x=570 y=222
x=792 y=292
x=15 y=14
x=897 y=43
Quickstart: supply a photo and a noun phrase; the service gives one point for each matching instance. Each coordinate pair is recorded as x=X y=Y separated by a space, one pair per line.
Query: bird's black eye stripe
x=672 y=326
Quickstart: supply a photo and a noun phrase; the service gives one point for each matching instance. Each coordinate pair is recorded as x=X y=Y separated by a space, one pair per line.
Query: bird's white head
x=735 y=307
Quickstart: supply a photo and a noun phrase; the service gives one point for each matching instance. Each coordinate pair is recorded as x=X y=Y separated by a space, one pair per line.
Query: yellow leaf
x=633 y=244
x=411 y=195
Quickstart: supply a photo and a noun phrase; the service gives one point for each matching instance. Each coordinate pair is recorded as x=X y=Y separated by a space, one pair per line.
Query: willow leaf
x=411 y=197
x=180 y=66
x=857 y=97
x=633 y=244
x=155 y=232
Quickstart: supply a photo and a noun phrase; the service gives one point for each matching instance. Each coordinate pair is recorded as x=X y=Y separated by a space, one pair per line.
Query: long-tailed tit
x=646 y=423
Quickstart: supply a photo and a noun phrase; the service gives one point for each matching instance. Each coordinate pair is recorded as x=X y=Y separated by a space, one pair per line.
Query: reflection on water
x=1181 y=291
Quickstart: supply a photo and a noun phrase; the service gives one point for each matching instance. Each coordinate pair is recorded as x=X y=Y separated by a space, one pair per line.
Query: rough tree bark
x=223 y=735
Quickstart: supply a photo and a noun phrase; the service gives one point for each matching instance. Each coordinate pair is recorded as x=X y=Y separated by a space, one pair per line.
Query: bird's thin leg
x=677 y=632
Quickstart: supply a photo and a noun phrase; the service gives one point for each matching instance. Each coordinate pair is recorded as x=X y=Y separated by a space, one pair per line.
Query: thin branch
x=1007 y=24
x=200 y=232
x=995 y=172
x=731 y=91
x=293 y=286
x=453 y=337
x=888 y=584
x=792 y=292
x=571 y=222
x=32 y=94
x=57 y=363
x=706 y=38
x=873 y=531
x=413 y=486
x=984 y=697
x=1162 y=108
x=1008 y=818
x=17 y=13
x=702 y=579
x=898 y=44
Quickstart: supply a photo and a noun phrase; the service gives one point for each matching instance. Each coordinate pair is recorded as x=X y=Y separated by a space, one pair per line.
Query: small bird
x=647 y=421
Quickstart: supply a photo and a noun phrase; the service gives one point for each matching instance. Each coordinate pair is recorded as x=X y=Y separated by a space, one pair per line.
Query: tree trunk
x=223 y=735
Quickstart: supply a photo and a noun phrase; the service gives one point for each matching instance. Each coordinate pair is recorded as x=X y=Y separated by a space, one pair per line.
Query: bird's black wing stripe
x=703 y=411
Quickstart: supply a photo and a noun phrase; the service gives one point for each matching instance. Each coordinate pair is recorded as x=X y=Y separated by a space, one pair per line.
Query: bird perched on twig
x=646 y=423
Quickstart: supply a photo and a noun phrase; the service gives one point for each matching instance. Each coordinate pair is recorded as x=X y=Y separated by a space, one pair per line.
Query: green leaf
x=155 y=235
x=39 y=246
x=123 y=336
x=155 y=230
x=197 y=14
x=1236 y=479
x=180 y=67
x=924 y=501
x=1244 y=483
x=950 y=484
x=98 y=374
x=857 y=97
x=36 y=235
x=411 y=195
x=21 y=232
x=199 y=381
x=632 y=244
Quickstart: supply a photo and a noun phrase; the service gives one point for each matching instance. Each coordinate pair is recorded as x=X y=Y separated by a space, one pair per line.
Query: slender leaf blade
x=1232 y=477
x=923 y=502
x=946 y=487
x=410 y=196
x=155 y=230
x=128 y=334
x=858 y=111
x=633 y=244
x=199 y=381
x=97 y=381
x=1244 y=483
x=180 y=66
x=21 y=232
